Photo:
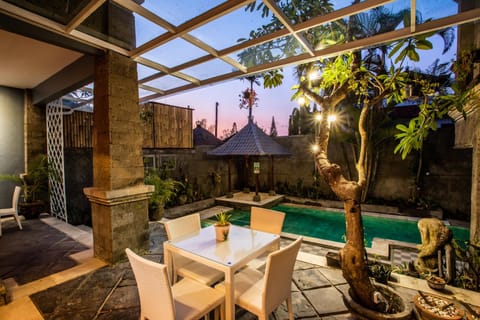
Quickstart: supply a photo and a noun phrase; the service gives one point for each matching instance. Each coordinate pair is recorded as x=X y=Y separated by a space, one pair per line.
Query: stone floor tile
x=343 y=316
x=334 y=275
x=326 y=301
x=301 y=308
x=301 y=265
x=309 y=279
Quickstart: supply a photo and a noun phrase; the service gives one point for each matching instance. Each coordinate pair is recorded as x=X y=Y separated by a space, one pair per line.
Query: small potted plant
x=222 y=226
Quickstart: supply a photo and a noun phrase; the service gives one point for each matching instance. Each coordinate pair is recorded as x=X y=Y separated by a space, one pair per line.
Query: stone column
x=467 y=135
x=119 y=198
x=475 y=201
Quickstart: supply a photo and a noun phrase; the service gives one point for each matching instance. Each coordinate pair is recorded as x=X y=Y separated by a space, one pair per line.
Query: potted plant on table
x=222 y=226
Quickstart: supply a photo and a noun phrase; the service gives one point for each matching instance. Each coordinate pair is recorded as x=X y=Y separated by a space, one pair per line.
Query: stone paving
x=111 y=292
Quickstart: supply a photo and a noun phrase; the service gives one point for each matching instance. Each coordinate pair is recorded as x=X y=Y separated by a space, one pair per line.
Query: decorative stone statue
x=435 y=236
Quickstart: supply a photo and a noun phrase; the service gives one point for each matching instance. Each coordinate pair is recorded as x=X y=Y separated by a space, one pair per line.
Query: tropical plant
x=165 y=190
x=223 y=218
x=468 y=270
x=436 y=105
x=35 y=181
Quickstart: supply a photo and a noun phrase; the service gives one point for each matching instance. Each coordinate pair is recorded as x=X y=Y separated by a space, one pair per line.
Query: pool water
x=330 y=225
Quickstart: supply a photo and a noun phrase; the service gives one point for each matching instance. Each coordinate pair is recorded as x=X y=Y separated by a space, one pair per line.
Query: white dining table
x=228 y=256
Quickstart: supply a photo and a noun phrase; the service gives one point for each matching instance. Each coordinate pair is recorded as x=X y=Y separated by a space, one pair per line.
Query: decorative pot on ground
x=31 y=210
x=400 y=309
x=433 y=307
x=436 y=283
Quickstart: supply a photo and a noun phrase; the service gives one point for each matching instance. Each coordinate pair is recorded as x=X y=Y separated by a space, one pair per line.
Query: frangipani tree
x=352 y=76
x=340 y=77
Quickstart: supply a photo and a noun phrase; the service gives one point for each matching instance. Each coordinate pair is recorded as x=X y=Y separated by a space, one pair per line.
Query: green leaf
x=423 y=44
x=396 y=48
x=413 y=55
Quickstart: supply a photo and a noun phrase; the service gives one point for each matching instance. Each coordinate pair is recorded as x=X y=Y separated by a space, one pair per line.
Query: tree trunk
x=352 y=256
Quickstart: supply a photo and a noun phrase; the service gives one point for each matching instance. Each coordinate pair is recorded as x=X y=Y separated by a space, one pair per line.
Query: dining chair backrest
x=16 y=197
x=278 y=275
x=266 y=220
x=156 y=299
x=182 y=226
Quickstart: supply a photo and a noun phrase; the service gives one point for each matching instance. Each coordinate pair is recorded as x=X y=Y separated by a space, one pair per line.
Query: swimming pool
x=330 y=225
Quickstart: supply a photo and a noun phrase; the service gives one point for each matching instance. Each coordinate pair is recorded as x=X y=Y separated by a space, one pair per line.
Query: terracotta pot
x=436 y=283
x=431 y=313
x=221 y=232
x=361 y=312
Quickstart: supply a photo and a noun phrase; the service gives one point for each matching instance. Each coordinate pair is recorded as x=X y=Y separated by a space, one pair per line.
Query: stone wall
x=446 y=178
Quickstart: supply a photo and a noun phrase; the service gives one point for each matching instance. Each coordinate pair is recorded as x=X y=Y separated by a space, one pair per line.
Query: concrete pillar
x=119 y=198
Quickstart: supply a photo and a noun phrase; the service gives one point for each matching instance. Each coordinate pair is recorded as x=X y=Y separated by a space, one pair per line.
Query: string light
x=332 y=118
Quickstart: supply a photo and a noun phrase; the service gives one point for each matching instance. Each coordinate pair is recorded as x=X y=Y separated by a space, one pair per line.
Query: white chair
x=266 y=220
x=186 y=299
x=261 y=293
x=185 y=267
x=13 y=211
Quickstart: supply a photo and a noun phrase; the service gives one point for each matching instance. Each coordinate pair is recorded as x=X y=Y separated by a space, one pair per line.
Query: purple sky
x=276 y=102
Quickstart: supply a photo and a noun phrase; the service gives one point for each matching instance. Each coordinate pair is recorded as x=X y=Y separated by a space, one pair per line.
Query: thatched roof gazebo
x=250 y=141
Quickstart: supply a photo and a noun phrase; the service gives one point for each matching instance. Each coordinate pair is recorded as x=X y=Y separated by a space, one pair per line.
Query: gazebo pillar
x=118 y=197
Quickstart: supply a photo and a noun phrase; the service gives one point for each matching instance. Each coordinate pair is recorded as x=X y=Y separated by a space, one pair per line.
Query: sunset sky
x=276 y=102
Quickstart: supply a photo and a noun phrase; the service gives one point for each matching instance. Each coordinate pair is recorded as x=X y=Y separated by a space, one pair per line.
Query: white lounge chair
x=13 y=211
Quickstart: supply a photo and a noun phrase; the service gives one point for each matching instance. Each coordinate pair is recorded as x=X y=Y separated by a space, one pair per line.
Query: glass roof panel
x=175 y=52
x=339 y=4
x=178 y=12
x=440 y=9
x=144 y=71
x=144 y=93
x=274 y=50
x=229 y=25
x=370 y=23
x=209 y=69
x=167 y=82
x=146 y=30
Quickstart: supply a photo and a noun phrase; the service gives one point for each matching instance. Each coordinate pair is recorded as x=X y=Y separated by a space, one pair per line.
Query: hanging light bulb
x=332 y=118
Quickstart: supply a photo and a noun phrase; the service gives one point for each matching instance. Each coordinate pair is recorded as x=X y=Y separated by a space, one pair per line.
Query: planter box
x=333 y=259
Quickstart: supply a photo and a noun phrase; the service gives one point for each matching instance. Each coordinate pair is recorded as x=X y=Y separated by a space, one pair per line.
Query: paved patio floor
x=93 y=290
